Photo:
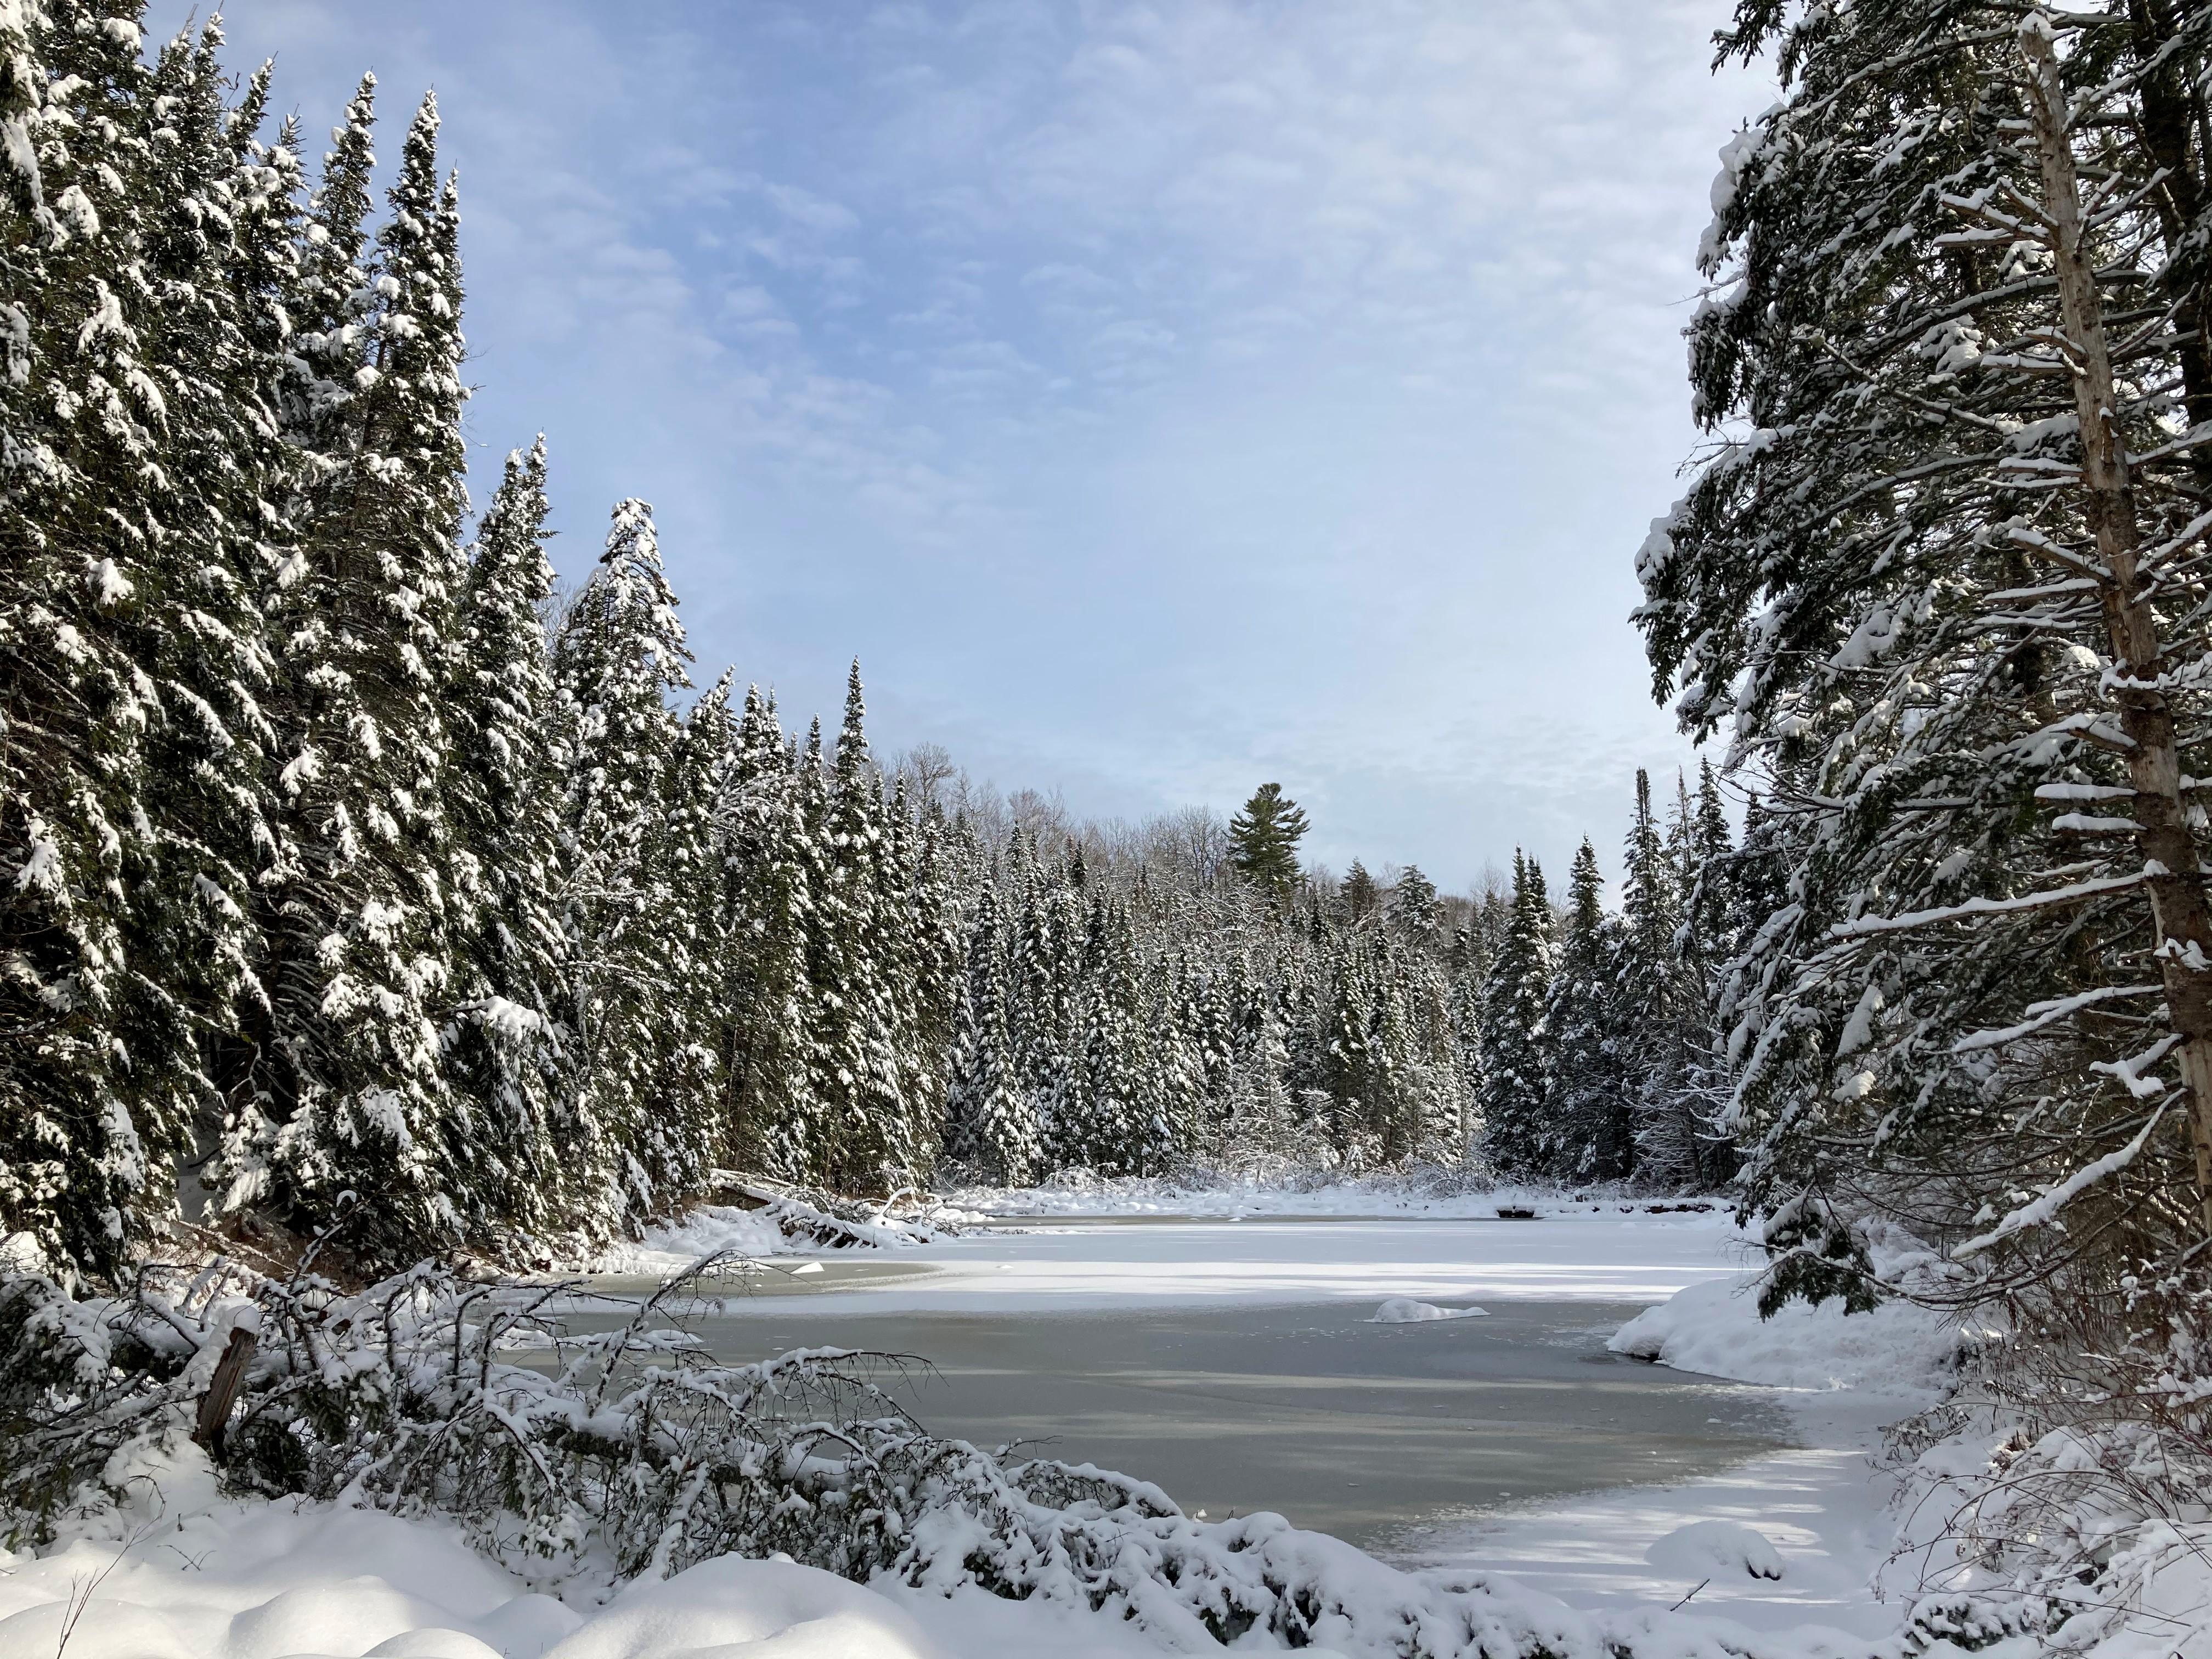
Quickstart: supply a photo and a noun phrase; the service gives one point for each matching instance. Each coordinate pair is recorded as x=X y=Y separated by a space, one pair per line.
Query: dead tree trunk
x=222 y=1390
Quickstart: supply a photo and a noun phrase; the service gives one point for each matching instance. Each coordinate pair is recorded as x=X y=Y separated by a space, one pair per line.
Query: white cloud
x=1161 y=396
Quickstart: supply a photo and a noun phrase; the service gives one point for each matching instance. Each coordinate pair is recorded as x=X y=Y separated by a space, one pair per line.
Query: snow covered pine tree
x=1945 y=571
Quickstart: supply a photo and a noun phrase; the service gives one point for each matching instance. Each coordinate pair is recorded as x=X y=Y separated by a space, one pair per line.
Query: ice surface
x=1311 y=1410
x=1588 y=1254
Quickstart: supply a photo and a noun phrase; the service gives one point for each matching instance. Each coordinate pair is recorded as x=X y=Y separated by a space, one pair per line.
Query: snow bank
x=730 y=1607
x=1404 y=1310
x=1715 y=1329
x=183 y=1574
x=180 y=1572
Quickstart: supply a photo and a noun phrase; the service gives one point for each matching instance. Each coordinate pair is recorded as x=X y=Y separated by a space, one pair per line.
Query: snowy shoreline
x=253 y=1580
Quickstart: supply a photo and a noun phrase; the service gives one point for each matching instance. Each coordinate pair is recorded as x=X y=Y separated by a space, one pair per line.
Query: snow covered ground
x=188 y=1574
x=183 y=1573
x=1821 y=1508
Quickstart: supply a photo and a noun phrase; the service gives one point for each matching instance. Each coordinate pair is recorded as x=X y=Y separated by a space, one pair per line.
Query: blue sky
x=1157 y=399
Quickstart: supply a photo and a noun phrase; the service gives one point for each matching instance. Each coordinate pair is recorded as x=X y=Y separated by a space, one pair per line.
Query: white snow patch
x=1714 y=1548
x=709 y=1230
x=1095 y=1264
x=732 y=1607
x=1715 y=1329
x=184 y=1573
x=1404 y=1310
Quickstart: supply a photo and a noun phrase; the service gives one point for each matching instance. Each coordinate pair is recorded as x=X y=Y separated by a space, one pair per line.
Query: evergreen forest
x=363 y=878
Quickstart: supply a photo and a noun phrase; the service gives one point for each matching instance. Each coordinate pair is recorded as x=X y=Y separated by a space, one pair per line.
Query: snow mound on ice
x=1709 y=1548
x=729 y=1607
x=1404 y=1310
x=1715 y=1329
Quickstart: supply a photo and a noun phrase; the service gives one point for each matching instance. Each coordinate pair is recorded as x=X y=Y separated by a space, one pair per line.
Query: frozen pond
x=1235 y=1364
x=1343 y=1426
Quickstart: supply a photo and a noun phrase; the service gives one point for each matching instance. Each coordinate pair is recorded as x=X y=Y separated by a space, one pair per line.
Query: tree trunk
x=222 y=1390
x=2170 y=113
x=2181 y=918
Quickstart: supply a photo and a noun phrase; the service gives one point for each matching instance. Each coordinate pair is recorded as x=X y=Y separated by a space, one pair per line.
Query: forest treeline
x=341 y=889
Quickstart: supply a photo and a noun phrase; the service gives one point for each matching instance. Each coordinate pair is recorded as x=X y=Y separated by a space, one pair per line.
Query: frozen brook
x=1239 y=1362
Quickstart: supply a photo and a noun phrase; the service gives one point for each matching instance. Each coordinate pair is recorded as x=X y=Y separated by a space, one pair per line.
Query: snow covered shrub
x=2061 y=1493
x=2066 y=1537
x=431 y=1391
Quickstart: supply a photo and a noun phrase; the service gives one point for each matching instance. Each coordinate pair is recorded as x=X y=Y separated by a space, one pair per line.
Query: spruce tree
x=1440 y=1099
x=811 y=807
x=1516 y=1045
x=1351 y=1073
x=1687 y=1081
x=690 y=1089
x=990 y=1123
x=1169 y=1070
x=1361 y=894
x=855 y=1062
x=1464 y=1009
x=133 y=485
x=931 y=909
x=1587 y=1129
x=1709 y=922
x=620 y=656
x=365 y=907
x=507 y=1052
x=1660 y=1034
x=771 y=1123
x=1415 y=911
x=1106 y=1093
x=1041 y=974
x=1394 y=1117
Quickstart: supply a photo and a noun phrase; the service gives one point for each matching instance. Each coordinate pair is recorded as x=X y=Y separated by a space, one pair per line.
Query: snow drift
x=1715 y=1329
